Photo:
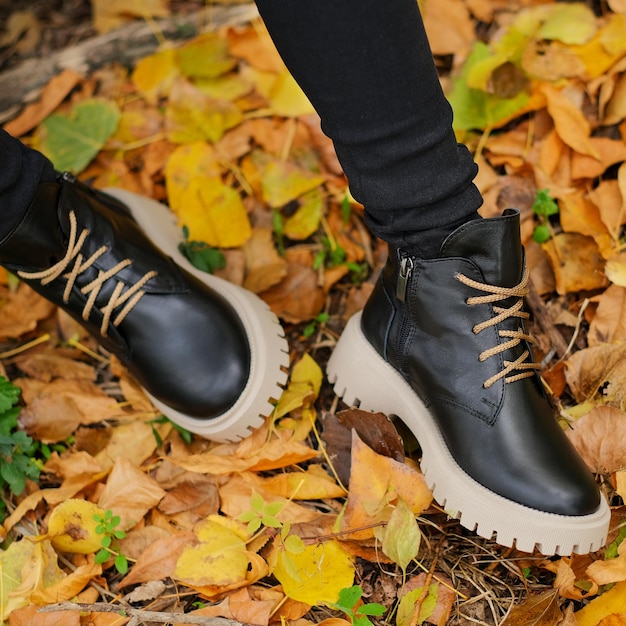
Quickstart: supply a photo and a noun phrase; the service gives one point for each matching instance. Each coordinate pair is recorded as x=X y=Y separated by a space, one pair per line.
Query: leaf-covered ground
x=281 y=526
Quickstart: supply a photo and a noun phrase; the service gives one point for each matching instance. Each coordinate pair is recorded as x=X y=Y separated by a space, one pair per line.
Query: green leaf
x=475 y=108
x=402 y=536
x=102 y=556
x=348 y=598
x=293 y=544
x=544 y=205
x=372 y=609
x=541 y=233
x=14 y=477
x=121 y=563
x=361 y=620
x=72 y=141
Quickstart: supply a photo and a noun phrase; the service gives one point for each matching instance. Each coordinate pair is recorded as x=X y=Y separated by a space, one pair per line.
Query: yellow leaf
x=72 y=528
x=612 y=601
x=194 y=116
x=153 y=75
x=220 y=559
x=572 y=23
x=214 y=213
x=309 y=485
x=317 y=574
x=620 y=480
x=306 y=220
x=283 y=182
x=205 y=56
x=287 y=99
x=303 y=388
x=194 y=160
x=109 y=14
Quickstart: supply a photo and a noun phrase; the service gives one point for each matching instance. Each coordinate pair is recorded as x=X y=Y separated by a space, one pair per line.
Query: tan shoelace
x=494 y=293
x=130 y=297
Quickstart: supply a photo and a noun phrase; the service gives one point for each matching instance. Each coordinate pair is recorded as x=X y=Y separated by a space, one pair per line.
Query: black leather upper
x=504 y=436
x=182 y=341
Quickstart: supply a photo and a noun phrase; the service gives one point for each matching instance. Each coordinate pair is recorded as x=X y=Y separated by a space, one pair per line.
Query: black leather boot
x=210 y=354
x=442 y=344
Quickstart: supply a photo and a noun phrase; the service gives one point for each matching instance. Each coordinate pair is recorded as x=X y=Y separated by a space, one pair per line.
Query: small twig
x=138 y=615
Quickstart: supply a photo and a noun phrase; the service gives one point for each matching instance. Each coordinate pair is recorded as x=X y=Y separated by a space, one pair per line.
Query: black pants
x=367 y=68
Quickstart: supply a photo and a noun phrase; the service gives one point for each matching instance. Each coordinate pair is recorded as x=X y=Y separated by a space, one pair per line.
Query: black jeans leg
x=367 y=68
x=21 y=171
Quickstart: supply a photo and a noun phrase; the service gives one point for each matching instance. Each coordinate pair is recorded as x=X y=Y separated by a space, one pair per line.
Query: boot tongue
x=494 y=245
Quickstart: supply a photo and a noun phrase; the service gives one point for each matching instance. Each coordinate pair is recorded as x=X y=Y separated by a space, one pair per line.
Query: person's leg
x=441 y=342
x=21 y=172
x=366 y=66
x=211 y=355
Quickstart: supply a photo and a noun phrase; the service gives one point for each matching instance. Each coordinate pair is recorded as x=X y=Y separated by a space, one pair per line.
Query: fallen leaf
x=205 y=56
x=537 y=610
x=298 y=297
x=376 y=482
x=610 y=602
x=129 y=493
x=600 y=438
x=264 y=266
x=314 y=484
x=154 y=75
x=401 y=537
x=52 y=96
x=317 y=574
x=609 y=571
x=109 y=14
x=30 y=616
x=72 y=141
x=609 y=322
x=576 y=262
x=22 y=311
x=22 y=30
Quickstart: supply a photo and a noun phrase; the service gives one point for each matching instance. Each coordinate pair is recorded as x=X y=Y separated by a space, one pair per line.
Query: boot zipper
x=67 y=177
x=404 y=275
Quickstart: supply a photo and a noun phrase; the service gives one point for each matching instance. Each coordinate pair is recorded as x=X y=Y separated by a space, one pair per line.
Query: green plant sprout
x=311 y=327
x=106 y=527
x=543 y=206
x=348 y=602
x=201 y=255
x=261 y=513
x=17 y=449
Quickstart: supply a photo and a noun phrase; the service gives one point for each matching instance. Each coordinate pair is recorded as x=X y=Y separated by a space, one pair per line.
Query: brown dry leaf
x=72 y=464
x=608 y=153
x=129 y=493
x=577 y=263
x=134 y=441
x=52 y=95
x=29 y=616
x=609 y=322
x=610 y=570
x=64 y=404
x=579 y=215
x=600 y=438
x=264 y=266
x=253 y=44
x=608 y=199
x=570 y=123
x=22 y=311
x=449 y=27
x=274 y=454
x=375 y=481
x=22 y=30
x=138 y=540
x=49 y=365
x=192 y=492
x=615 y=619
x=236 y=493
x=109 y=14
x=298 y=297
x=159 y=559
x=537 y=610
x=565 y=582
x=597 y=374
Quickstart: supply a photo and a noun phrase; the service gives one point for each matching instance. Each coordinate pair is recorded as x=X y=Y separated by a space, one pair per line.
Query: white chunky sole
x=361 y=377
x=268 y=346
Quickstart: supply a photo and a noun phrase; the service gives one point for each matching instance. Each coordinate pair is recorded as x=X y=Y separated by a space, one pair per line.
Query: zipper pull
x=406 y=267
x=67 y=177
